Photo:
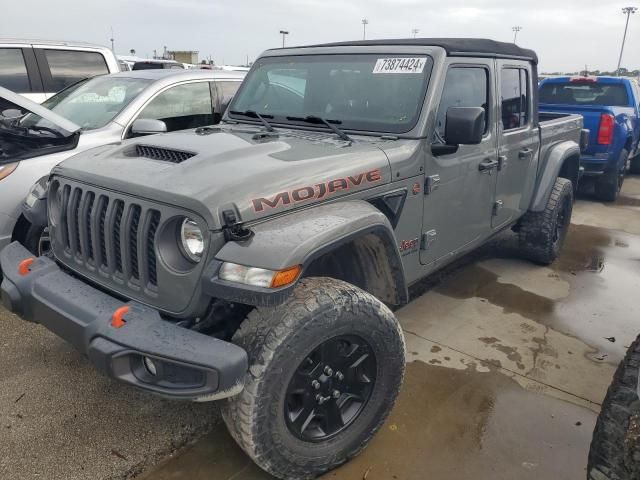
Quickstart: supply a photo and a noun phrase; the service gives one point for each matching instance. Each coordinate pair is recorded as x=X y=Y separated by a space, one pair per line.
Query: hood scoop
x=163 y=154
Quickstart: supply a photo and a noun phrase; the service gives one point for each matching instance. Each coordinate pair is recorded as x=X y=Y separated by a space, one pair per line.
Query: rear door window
x=584 y=93
x=70 y=66
x=13 y=70
x=515 y=98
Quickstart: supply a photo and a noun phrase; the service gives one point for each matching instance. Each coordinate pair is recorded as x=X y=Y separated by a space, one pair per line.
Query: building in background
x=183 y=56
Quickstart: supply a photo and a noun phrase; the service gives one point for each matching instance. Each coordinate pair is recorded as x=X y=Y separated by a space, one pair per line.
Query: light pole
x=516 y=30
x=284 y=34
x=415 y=32
x=112 y=41
x=627 y=11
x=365 y=22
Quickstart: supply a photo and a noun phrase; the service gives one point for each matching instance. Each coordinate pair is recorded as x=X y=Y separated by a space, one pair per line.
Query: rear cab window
x=70 y=66
x=584 y=92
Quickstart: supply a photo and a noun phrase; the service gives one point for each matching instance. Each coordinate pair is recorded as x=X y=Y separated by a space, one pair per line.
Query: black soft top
x=465 y=47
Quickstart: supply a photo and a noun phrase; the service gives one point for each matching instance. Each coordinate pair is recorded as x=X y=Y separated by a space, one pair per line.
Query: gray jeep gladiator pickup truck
x=256 y=261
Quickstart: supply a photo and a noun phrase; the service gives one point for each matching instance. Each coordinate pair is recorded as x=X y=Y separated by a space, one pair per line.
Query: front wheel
x=325 y=368
x=615 y=447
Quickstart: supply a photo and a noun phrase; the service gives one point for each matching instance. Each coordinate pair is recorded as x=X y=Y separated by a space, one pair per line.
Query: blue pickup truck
x=611 y=110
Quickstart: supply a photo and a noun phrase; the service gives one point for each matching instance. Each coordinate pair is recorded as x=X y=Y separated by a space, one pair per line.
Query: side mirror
x=464 y=125
x=148 y=126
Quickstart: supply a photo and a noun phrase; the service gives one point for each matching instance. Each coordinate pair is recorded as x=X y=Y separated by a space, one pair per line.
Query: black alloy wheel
x=330 y=388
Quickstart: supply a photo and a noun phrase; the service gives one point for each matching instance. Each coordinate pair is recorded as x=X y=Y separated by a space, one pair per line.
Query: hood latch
x=234 y=230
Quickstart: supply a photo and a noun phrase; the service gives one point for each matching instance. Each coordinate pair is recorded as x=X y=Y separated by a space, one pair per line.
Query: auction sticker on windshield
x=400 y=65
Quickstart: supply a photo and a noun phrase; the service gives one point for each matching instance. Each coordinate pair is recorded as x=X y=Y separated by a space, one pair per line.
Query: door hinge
x=497 y=206
x=431 y=184
x=427 y=239
x=502 y=162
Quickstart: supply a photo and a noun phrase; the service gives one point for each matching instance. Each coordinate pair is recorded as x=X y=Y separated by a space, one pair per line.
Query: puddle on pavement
x=447 y=424
x=603 y=269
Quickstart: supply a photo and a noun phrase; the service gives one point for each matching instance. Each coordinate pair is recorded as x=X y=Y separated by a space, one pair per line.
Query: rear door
x=518 y=141
x=459 y=194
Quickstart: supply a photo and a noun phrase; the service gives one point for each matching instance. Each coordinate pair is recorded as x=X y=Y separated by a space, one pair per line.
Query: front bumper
x=189 y=365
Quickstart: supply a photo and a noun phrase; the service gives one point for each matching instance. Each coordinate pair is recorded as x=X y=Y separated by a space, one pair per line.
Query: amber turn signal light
x=286 y=277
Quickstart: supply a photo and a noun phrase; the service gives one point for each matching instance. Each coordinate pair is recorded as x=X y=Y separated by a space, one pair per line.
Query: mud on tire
x=542 y=234
x=280 y=342
x=615 y=447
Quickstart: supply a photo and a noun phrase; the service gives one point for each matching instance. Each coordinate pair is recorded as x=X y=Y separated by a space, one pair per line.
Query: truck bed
x=558 y=127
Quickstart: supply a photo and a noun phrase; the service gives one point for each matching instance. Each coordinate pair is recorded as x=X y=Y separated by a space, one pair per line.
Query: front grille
x=164 y=154
x=110 y=235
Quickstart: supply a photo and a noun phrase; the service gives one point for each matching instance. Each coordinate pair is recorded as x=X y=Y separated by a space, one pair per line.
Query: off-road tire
x=608 y=186
x=537 y=230
x=277 y=340
x=615 y=447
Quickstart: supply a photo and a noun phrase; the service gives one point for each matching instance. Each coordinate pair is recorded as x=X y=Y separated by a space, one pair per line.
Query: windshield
x=366 y=92
x=92 y=103
x=612 y=95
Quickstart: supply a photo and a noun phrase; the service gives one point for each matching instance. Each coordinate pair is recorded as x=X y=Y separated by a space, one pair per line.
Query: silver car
x=99 y=111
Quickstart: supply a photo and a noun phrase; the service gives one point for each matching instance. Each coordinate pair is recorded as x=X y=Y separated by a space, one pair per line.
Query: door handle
x=487 y=165
x=525 y=153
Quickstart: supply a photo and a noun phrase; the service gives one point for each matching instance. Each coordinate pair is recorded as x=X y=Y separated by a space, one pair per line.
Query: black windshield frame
x=359 y=126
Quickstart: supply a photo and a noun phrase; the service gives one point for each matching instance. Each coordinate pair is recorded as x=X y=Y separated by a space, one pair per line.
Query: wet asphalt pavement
x=508 y=365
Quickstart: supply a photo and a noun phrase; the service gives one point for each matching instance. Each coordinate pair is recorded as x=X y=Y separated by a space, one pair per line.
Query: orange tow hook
x=24 y=267
x=116 y=320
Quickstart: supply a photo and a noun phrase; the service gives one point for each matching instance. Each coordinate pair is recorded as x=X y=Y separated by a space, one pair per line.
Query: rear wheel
x=542 y=234
x=615 y=447
x=325 y=370
x=609 y=185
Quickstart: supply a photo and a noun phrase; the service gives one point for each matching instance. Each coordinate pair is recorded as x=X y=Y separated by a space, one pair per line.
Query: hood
x=33 y=107
x=238 y=168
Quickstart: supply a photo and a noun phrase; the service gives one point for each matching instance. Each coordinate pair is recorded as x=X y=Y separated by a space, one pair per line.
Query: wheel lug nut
x=336 y=394
x=315 y=384
x=339 y=376
x=328 y=370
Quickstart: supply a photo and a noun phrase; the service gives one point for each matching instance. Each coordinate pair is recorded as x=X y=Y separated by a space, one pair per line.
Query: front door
x=518 y=142
x=459 y=190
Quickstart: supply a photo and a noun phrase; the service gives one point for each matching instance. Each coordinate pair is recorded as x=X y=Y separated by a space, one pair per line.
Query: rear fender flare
x=550 y=170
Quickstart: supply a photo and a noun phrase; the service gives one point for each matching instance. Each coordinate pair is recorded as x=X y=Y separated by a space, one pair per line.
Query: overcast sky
x=567 y=34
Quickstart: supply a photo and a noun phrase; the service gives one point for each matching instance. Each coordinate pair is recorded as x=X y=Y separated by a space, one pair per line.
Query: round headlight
x=192 y=240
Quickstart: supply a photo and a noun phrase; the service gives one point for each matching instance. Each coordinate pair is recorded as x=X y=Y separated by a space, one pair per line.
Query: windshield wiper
x=323 y=121
x=254 y=114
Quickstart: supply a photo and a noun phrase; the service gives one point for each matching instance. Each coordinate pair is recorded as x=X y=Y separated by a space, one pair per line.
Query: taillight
x=605 y=132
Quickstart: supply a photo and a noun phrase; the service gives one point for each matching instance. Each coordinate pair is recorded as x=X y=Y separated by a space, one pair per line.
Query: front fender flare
x=550 y=170
x=297 y=239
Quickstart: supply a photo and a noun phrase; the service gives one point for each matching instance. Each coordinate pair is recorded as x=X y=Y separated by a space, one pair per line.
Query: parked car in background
x=611 y=110
x=94 y=112
x=156 y=65
x=38 y=69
